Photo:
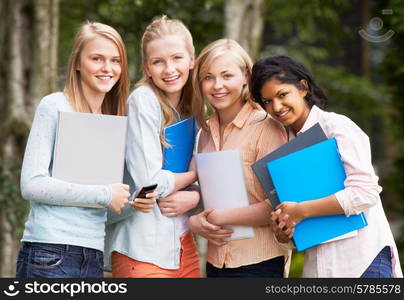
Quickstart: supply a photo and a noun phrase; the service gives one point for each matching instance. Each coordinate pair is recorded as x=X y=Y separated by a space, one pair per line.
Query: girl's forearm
x=183 y=180
x=257 y=214
x=321 y=207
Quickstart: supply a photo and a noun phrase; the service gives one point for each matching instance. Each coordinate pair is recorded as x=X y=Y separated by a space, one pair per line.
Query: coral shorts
x=123 y=266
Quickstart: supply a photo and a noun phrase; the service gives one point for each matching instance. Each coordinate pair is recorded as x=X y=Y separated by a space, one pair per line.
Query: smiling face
x=285 y=103
x=168 y=64
x=99 y=67
x=223 y=83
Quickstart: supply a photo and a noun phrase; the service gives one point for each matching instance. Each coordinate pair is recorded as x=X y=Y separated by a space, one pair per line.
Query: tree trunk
x=44 y=75
x=9 y=239
x=28 y=72
x=244 y=23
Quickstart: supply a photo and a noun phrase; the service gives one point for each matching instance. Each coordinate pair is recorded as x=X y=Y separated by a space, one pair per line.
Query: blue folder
x=311 y=173
x=181 y=139
x=311 y=136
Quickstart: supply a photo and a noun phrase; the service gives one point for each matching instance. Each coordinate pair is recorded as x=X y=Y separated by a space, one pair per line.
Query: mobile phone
x=145 y=190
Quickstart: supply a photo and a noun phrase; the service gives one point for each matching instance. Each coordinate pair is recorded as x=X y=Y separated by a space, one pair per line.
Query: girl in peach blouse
x=220 y=78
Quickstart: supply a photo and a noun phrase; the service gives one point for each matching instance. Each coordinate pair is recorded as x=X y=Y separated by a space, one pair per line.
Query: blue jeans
x=40 y=260
x=272 y=268
x=381 y=265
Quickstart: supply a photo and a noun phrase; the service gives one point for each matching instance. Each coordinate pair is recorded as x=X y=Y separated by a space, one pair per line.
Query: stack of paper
x=222 y=182
x=89 y=148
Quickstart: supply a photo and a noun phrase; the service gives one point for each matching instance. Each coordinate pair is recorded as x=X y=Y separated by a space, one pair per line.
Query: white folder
x=222 y=182
x=90 y=149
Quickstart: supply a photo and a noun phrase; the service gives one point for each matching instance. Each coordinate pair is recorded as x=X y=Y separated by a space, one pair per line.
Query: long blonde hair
x=204 y=61
x=115 y=100
x=160 y=27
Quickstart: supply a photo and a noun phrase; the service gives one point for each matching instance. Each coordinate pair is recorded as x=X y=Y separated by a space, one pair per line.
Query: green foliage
x=10 y=196
x=302 y=26
x=296 y=265
x=354 y=96
x=393 y=71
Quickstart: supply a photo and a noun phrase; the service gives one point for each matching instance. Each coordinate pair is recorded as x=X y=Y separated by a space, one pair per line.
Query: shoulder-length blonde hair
x=206 y=58
x=115 y=100
x=160 y=27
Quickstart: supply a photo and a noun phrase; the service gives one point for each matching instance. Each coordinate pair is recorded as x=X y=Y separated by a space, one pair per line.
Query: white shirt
x=148 y=237
x=350 y=257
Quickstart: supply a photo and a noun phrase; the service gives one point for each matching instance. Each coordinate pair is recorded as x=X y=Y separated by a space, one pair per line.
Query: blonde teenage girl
x=221 y=73
x=60 y=239
x=154 y=240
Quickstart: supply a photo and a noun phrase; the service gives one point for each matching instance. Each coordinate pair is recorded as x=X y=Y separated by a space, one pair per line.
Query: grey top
x=53 y=217
x=148 y=237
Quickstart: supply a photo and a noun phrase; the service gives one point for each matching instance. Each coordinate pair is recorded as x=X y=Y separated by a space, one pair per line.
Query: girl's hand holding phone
x=145 y=199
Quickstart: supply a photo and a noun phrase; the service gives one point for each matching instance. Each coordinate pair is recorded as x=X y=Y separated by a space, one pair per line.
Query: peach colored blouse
x=255 y=134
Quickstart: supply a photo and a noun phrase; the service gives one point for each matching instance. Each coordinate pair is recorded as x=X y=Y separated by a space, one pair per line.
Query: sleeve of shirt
x=113 y=217
x=144 y=155
x=361 y=184
x=36 y=182
x=272 y=137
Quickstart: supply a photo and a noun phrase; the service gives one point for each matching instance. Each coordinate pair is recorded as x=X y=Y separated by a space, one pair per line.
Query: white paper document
x=90 y=148
x=222 y=183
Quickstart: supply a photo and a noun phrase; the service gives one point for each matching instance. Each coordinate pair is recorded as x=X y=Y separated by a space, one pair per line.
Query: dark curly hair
x=286 y=70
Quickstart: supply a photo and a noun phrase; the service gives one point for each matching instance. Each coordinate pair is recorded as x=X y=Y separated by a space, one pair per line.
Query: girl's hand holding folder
x=178 y=203
x=214 y=233
x=282 y=232
x=289 y=214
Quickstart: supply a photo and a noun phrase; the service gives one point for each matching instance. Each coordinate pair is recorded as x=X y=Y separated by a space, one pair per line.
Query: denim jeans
x=40 y=260
x=381 y=265
x=272 y=268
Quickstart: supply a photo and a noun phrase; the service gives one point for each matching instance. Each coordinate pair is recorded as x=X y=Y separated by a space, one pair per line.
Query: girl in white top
x=287 y=90
x=154 y=240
